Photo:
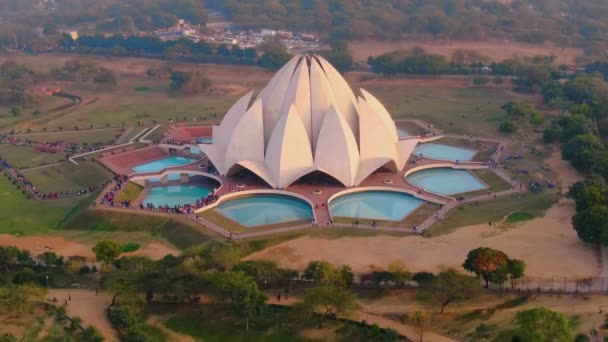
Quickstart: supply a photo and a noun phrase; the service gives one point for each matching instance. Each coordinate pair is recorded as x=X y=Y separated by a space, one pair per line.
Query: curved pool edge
x=444 y=165
x=235 y=195
x=379 y=189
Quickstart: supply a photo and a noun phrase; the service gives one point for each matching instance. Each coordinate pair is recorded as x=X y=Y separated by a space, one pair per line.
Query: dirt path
x=89 y=307
x=543 y=243
x=567 y=175
x=58 y=244
x=383 y=322
x=171 y=335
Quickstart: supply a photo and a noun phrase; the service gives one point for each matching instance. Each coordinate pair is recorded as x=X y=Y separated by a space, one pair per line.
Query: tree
x=7 y=337
x=18 y=299
x=542 y=324
x=107 y=250
x=591 y=224
x=105 y=76
x=507 y=127
x=399 y=271
x=448 y=287
x=516 y=270
x=487 y=263
x=326 y=301
x=223 y=50
x=17 y=110
x=265 y=273
x=322 y=272
x=420 y=320
x=241 y=291
x=91 y=334
x=275 y=54
x=580 y=149
x=49 y=259
x=8 y=256
x=481 y=81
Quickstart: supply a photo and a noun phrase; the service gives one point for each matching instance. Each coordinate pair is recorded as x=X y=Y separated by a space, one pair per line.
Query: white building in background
x=307 y=119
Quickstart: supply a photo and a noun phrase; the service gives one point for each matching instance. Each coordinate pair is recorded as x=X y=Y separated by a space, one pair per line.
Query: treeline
x=274 y=54
x=583 y=130
x=582 y=23
x=462 y=62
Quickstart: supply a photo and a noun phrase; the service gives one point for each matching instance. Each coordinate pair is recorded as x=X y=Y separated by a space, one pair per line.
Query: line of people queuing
x=109 y=197
x=182 y=209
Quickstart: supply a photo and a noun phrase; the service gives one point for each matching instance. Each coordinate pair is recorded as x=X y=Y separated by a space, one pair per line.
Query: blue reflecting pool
x=195 y=150
x=444 y=152
x=164 y=163
x=204 y=140
x=375 y=205
x=176 y=194
x=446 y=181
x=258 y=210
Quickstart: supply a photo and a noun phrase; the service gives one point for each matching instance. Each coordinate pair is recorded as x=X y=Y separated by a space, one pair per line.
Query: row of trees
x=274 y=53
x=582 y=128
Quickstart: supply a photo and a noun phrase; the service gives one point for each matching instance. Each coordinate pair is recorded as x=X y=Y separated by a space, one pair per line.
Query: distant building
x=268 y=33
x=72 y=33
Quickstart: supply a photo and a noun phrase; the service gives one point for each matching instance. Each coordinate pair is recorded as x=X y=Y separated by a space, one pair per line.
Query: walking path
x=91 y=308
x=403 y=329
x=123 y=136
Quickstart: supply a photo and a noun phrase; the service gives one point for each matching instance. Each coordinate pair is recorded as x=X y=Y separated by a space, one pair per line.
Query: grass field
x=43 y=104
x=67 y=176
x=456 y=109
x=124 y=104
x=492 y=211
x=492 y=180
x=130 y=192
x=24 y=157
x=179 y=231
x=102 y=136
x=29 y=217
x=274 y=324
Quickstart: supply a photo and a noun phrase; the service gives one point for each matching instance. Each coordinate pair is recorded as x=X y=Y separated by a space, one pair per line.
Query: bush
x=130 y=247
x=423 y=277
x=507 y=127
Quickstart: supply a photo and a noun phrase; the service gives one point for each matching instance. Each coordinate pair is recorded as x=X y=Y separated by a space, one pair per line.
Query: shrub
x=507 y=127
x=130 y=247
x=423 y=277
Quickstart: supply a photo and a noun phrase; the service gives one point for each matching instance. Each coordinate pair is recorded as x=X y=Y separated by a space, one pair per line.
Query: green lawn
x=492 y=211
x=179 y=231
x=216 y=323
x=23 y=216
x=473 y=111
x=25 y=157
x=130 y=192
x=67 y=176
x=44 y=104
x=492 y=180
x=124 y=104
x=92 y=137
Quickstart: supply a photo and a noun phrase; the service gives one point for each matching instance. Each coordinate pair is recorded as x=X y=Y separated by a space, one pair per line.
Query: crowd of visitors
x=110 y=196
x=48 y=146
x=182 y=209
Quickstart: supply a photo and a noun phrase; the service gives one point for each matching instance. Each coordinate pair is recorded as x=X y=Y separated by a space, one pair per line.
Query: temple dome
x=307 y=119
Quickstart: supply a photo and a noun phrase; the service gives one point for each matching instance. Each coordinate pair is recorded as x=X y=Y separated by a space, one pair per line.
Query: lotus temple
x=305 y=150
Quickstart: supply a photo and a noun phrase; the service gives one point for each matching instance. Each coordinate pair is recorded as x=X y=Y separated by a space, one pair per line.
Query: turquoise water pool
x=195 y=150
x=375 y=205
x=204 y=140
x=162 y=164
x=446 y=181
x=444 y=152
x=176 y=195
x=260 y=210
x=170 y=177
